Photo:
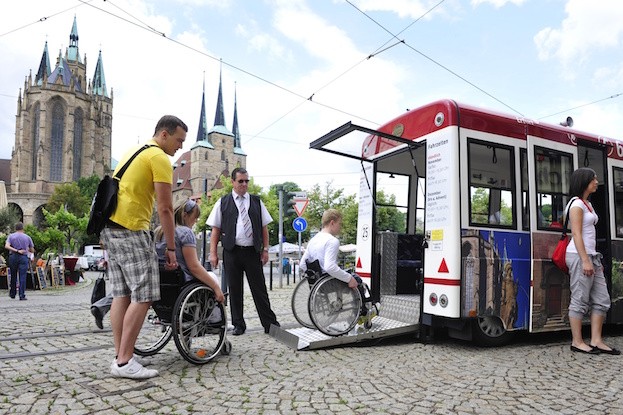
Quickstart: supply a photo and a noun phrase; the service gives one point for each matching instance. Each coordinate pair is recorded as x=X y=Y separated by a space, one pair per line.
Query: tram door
x=593 y=155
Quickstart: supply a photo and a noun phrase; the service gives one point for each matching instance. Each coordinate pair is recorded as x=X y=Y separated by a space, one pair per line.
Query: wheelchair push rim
x=199 y=324
x=300 y=300
x=334 y=308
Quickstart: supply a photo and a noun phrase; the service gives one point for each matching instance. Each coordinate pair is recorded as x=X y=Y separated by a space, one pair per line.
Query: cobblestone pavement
x=54 y=361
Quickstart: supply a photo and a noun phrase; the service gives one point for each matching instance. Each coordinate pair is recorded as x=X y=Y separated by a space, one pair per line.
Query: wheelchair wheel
x=333 y=307
x=300 y=300
x=154 y=335
x=199 y=324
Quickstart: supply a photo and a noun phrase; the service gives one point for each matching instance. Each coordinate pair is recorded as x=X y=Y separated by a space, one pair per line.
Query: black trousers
x=246 y=260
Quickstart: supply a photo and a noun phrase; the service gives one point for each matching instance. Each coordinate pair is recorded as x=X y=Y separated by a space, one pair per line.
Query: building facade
x=62 y=130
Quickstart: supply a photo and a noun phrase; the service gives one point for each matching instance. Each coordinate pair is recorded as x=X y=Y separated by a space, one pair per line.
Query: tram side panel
x=442 y=264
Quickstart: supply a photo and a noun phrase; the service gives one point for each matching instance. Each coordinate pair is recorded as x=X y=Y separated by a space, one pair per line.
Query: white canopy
x=288 y=248
x=348 y=248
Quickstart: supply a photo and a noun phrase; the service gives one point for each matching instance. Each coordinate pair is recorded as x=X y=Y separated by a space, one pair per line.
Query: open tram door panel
x=391 y=202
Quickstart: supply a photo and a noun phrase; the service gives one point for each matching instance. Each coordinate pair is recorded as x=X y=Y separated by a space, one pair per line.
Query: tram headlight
x=439 y=118
x=433 y=299
x=443 y=300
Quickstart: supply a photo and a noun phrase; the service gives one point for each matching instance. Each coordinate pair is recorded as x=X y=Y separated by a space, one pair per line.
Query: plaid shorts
x=132 y=264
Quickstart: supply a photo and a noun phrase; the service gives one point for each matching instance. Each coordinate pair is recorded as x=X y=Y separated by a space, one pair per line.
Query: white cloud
x=585 y=29
x=497 y=3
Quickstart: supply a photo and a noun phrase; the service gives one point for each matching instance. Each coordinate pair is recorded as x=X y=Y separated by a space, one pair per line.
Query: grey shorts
x=587 y=293
x=132 y=264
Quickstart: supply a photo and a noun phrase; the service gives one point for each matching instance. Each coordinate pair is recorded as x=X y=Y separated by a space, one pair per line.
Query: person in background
x=20 y=246
x=132 y=260
x=589 y=292
x=239 y=220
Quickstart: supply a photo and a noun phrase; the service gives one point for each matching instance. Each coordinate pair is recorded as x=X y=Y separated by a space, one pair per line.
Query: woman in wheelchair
x=324 y=247
x=186 y=214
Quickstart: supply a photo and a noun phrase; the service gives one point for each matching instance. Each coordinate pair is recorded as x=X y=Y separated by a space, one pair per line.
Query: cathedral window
x=77 y=167
x=36 y=117
x=56 y=143
x=205 y=155
x=222 y=155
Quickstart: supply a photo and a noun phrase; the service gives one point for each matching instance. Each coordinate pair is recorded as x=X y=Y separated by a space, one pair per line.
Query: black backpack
x=105 y=200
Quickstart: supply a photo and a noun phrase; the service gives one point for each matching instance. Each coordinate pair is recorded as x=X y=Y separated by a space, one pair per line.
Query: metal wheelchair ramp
x=398 y=315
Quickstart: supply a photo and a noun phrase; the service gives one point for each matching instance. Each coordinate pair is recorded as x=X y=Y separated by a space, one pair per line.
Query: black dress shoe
x=97 y=313
x=578 y=350
x=238 y=331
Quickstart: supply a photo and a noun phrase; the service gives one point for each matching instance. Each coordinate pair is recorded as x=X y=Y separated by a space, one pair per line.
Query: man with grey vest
x=239 y=220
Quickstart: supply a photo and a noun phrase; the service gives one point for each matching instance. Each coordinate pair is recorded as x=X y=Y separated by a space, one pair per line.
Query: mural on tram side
x=616 y=289
x=496 y=272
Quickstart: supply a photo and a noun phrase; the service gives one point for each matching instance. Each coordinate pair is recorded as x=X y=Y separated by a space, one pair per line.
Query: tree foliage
x=69 y=196
x=9 y=216
x=72 y=228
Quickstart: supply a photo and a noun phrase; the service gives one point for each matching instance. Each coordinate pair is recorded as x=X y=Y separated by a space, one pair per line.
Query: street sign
x=300 y=204
x=299 y=224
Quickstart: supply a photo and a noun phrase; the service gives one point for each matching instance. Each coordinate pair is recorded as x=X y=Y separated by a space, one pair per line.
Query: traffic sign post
x=300 y=202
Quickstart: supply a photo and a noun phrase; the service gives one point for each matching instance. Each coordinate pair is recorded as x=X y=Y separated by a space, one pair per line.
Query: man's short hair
x=170 y=124
x=19 y=226
x=329 y=215
x=237 y=170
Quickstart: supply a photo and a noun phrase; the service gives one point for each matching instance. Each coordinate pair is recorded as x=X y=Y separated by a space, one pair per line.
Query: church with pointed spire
x=63 y=128
x=213 y=156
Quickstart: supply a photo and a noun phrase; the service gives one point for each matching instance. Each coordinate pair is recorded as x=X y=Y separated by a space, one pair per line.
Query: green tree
x=88 y=186
x=326 y=197
x=9 y=216
x=69 y=195
x=46 y=240
x=388 y=217
x=72 y=228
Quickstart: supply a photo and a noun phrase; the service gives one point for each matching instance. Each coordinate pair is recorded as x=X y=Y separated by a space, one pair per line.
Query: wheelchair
x=323 y=302
x=189 y=313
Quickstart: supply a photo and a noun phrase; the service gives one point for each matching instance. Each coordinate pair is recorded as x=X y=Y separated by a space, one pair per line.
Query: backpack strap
x=120 y=173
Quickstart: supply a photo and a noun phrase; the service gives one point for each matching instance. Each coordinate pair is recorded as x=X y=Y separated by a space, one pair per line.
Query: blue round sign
x=299 y=224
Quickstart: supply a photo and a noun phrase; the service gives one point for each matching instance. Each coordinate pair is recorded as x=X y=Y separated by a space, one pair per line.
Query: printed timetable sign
x=442 y=268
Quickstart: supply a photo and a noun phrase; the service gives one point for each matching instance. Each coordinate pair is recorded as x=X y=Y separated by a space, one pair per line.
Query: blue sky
x=531 y=57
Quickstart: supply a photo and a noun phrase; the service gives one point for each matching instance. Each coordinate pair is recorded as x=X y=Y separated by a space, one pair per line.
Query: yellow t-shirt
x=135 y=200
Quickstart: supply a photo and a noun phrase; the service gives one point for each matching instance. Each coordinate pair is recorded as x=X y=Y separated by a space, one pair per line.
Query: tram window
x=553 y=172
x=392 y=198
x=492 y=178
x=617 y=174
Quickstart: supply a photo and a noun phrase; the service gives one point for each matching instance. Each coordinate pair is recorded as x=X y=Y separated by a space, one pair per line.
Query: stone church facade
x=62 y=131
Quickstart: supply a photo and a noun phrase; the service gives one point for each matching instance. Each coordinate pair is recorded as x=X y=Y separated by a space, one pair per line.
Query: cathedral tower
x=63 y=128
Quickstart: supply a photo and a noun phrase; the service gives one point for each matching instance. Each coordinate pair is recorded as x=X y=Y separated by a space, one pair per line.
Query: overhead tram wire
x=244 y=71
x=583 y=105
x=323 y=87
x=378 y=51
x=44 y=18
x=434 y=61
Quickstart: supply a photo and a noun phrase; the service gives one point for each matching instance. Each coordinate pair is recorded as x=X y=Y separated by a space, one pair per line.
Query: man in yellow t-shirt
x=132 y=258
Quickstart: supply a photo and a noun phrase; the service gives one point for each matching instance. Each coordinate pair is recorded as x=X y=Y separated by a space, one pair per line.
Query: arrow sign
x=299 y=224
x=299 y=205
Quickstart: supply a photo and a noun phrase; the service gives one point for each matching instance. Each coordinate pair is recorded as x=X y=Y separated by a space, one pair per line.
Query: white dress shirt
x=325 y=247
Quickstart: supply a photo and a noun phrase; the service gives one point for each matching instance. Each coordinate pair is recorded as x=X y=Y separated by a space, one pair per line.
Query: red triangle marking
x=443 y=267
x=358 y=262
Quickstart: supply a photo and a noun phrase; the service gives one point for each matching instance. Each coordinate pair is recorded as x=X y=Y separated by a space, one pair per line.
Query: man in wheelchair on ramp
x=322 y=251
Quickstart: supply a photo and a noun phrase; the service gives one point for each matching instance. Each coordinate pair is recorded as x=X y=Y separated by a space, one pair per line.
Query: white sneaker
x=141 y=360
x=133 y=370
